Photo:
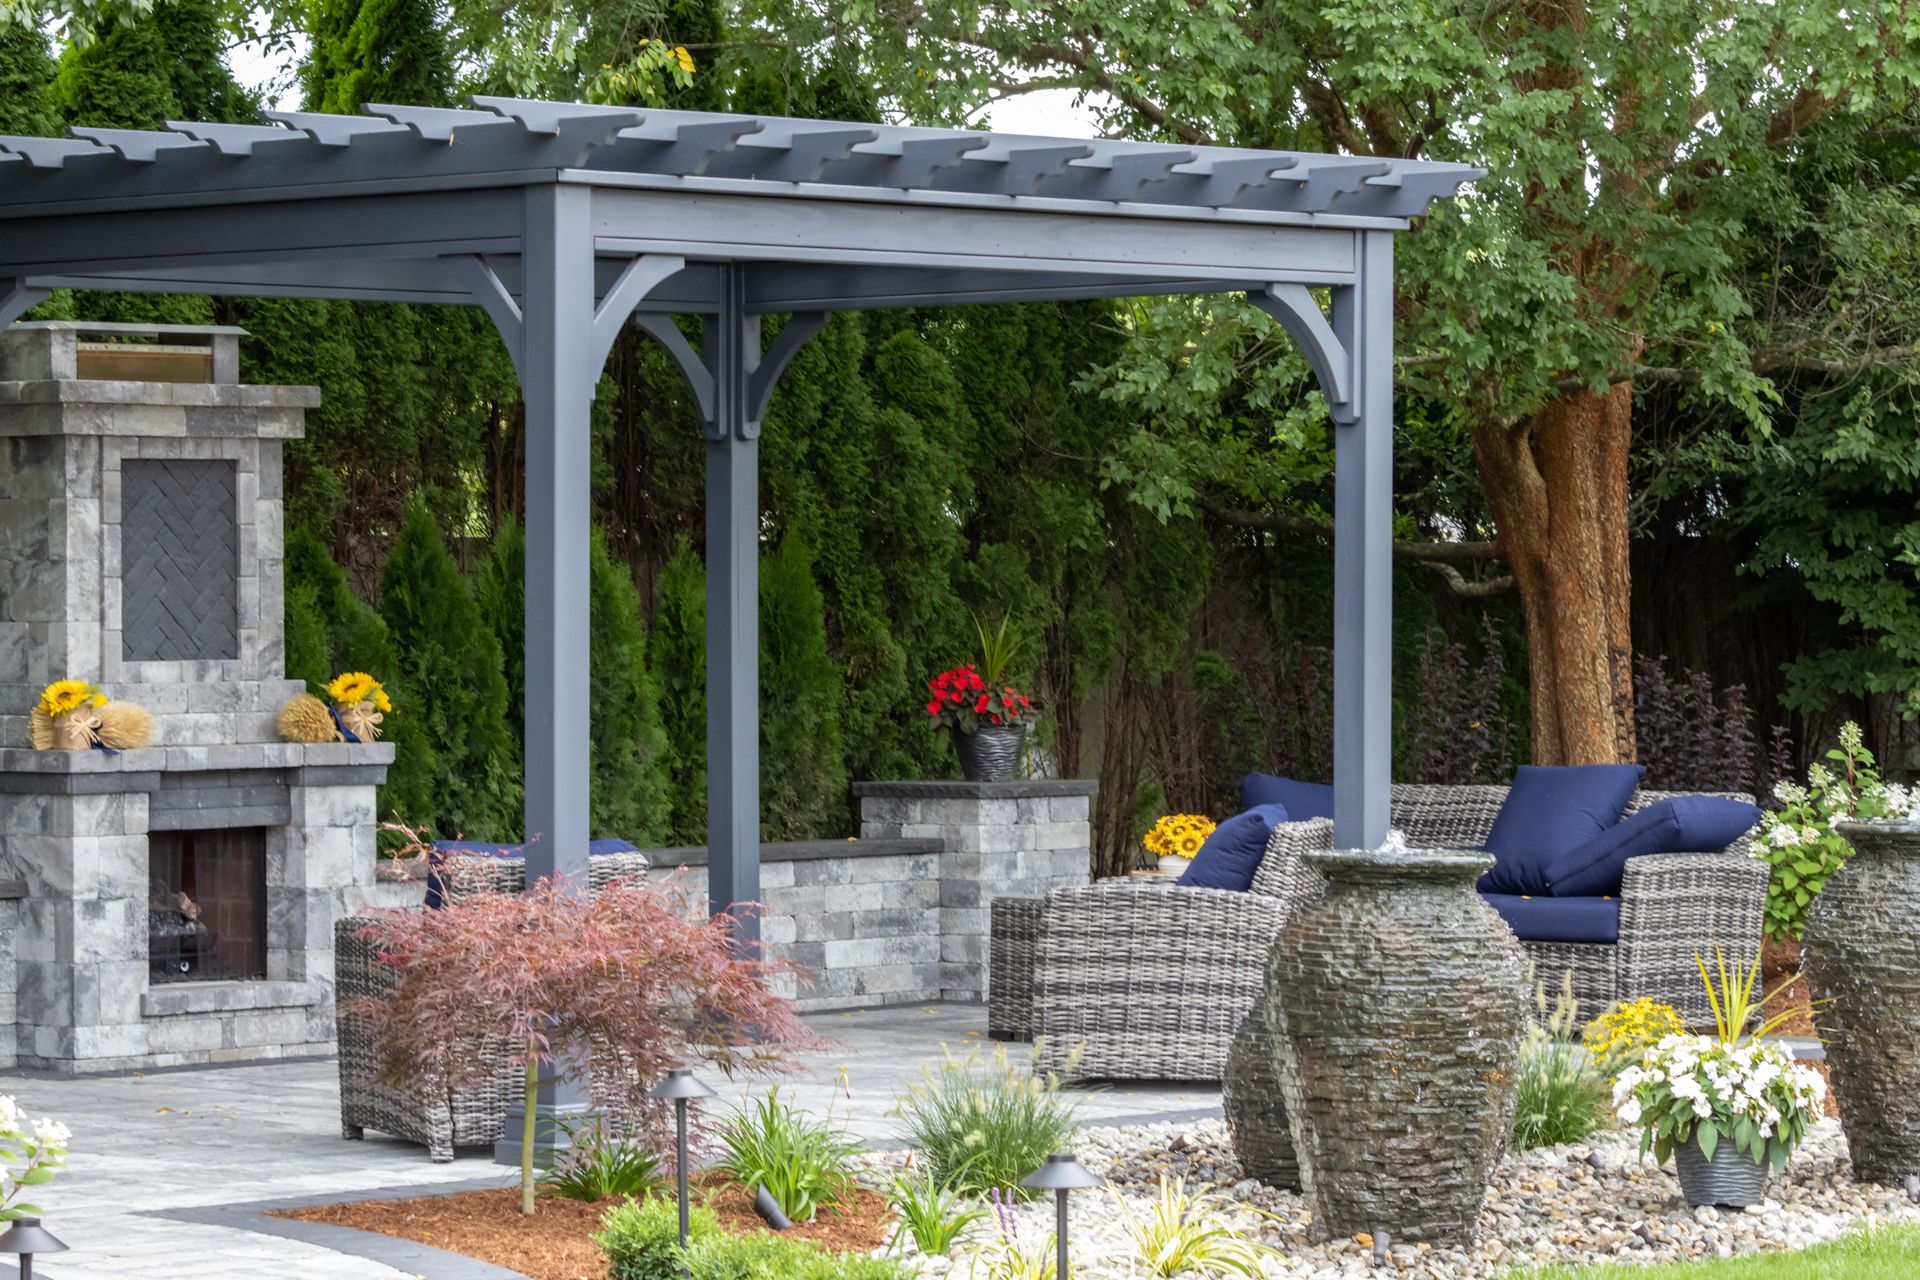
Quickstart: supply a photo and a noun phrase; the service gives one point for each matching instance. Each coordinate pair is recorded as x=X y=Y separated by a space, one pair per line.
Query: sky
x=1047 y=112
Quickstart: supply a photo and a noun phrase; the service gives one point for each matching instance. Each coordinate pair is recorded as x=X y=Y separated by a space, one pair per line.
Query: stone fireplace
x=172 y=904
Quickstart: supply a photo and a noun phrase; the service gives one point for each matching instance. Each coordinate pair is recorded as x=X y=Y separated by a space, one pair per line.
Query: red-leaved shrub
x=620 y=979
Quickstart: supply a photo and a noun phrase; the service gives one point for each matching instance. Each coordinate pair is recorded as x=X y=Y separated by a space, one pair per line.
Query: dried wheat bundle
x=124 y=726
x=306 y=719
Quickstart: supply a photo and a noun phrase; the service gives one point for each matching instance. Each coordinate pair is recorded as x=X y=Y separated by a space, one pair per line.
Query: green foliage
x=449 y=664
x=931 y=1215
x=1798 y=840
x=1562 y=1094
x=1879 y=1253
x=803 y=1162
x=641 y=1238
x=375 y=51
x=763 y=1256
x=26 y=82
x=1185 y=1233
x=629 y=786
x=600 y=1166
x=984 y=1124
x=803 y=776
x=679 y=656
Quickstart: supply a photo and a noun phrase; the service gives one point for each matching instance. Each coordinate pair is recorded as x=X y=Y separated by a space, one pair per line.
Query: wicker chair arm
x=1145 y=979
x=1674 y=906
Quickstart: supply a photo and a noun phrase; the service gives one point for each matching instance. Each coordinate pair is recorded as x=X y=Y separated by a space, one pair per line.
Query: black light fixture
x=680 y=1087
x=27 y=1237
x=1061 y=1174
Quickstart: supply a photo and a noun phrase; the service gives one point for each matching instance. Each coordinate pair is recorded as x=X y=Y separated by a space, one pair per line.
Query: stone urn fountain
x=1397 y=1003
x=1862 y=956
x=1256 y=1111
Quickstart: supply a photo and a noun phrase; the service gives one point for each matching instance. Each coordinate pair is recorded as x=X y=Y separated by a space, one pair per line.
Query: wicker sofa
x=1141 y=979
x=439 y=1120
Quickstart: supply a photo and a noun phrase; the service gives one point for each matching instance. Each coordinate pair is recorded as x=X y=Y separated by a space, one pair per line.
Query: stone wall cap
x=229 y=756
x=10 y=889
x=188 y=395
x=175 y=999
x=802 y=851
x=1020 y=789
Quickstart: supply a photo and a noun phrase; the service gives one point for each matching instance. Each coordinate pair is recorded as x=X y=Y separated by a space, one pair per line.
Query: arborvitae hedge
x=803 y=772
x=679 y=658
x=451 y=669
x=26 y=83
x=631 y=786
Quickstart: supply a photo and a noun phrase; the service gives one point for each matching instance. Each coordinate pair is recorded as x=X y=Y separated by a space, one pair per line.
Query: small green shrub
x=1185 y=1233
x=1563 y=1094
x=1799 y=842
x=602 y=1166
x=804 y=1163
x=642 y=1242
x=641 y=1238
x=986 y=1124
x=931 y=1214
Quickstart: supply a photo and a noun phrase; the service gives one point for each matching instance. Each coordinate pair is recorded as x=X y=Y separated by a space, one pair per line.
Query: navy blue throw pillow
x=1232 y=853
x=1549 y=811
x=1679 y=824
x=1302 y=800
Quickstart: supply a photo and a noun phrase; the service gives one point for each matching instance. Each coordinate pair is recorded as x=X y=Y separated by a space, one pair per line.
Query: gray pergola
x=568 y=222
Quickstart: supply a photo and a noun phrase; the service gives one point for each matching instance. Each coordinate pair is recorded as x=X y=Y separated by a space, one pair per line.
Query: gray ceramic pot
x=1732 y=1179
x=990 y=753
x=1398 y=1002
x=1862 y=956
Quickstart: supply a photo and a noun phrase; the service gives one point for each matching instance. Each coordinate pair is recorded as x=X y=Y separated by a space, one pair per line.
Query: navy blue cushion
x=1302 y=800
x=436 y=892
x=1558 y=919
x=1679 y=824
x=1549 y=811
x=1232 y=853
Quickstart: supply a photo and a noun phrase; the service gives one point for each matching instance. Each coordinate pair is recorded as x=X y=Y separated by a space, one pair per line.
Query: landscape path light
x=1061 y=1174
x=27 y=1237
x=680 y=1087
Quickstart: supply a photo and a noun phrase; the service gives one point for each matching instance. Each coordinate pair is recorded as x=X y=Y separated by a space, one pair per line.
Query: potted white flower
x=30 y=1153
x=1729 y=1108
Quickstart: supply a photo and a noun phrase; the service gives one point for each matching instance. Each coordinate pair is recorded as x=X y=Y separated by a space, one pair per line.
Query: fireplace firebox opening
x=207 y=905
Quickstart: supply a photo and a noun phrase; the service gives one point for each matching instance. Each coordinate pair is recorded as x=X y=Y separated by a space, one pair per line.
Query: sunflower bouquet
x=1178 y=835
x=65 y=719
x=360 y=702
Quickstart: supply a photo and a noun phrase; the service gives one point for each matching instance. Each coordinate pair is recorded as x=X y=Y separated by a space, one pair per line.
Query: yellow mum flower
x=63 y=696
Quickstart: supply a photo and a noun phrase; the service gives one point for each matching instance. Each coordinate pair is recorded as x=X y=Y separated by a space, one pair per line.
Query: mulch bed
x=1780 y=960
x=556 y=1242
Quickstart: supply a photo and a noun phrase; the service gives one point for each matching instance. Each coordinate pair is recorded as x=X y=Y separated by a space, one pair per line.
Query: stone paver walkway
x=158 y=1142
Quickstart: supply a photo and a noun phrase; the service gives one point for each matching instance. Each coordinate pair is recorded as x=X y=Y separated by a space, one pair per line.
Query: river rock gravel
x=1597 y=1201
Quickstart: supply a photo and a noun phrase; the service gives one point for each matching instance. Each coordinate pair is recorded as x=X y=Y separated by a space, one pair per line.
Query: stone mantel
x=24 y=771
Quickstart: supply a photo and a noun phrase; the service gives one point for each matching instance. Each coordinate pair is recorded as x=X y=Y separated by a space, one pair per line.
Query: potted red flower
x=987 y=716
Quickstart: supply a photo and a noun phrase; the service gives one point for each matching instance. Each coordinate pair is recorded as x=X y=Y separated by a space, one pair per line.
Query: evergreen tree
x=375 y=51
x=26 y=83
x=632 y=783
x=803 y=776
x=450 y=666
x=679 y=658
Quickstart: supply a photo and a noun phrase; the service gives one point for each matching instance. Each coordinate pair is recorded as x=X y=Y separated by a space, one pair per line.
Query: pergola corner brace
x=17 y=297
x=1332 y=360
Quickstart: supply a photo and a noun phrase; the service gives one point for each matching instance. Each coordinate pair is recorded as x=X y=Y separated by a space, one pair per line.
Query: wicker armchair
x=1144 y=980
x=1140 y=980
x=441 y=1121
x=1672 y=905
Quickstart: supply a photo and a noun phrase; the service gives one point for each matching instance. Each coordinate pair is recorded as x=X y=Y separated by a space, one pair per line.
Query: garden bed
x=556 y=1243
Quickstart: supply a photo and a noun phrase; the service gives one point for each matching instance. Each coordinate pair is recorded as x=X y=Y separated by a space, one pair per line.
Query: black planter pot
x=1397 y=1003
x=1731 y=1180
x=1862 y=956
x=990 y=753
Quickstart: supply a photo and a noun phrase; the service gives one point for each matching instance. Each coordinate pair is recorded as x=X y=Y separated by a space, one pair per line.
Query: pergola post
x=732 y=349
x=1363 y=553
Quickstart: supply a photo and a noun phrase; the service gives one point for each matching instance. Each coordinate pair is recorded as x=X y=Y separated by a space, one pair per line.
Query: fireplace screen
x=207 y=905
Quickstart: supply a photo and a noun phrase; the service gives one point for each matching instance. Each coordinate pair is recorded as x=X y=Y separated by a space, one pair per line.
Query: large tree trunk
x=1557 y=486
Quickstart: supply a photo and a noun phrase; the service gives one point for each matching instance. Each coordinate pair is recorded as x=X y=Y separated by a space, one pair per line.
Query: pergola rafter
x=569 y=221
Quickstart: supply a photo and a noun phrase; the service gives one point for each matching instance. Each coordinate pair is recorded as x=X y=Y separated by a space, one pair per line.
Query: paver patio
x=148 y=1145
